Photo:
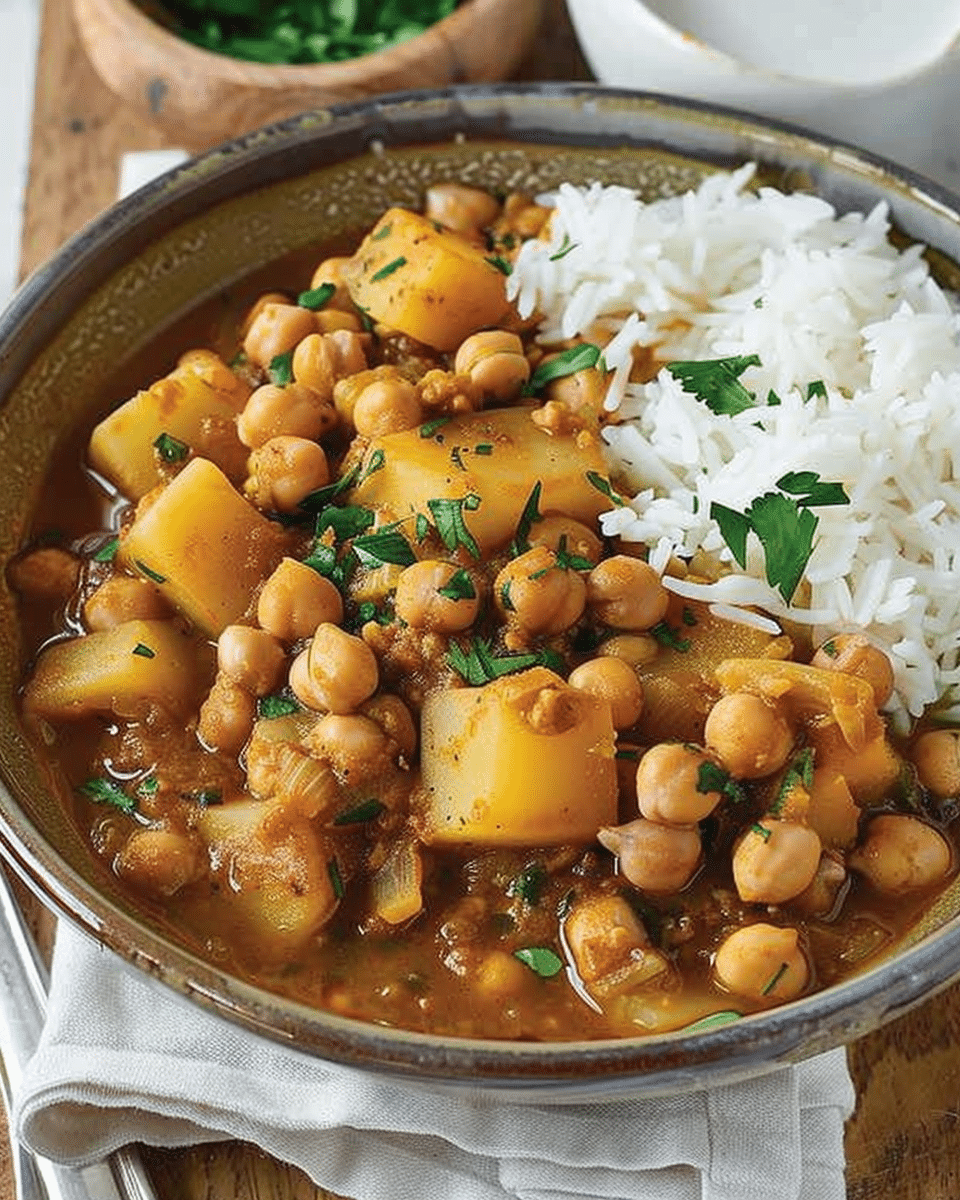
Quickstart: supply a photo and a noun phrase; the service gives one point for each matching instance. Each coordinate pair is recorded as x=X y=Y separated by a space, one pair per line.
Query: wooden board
x=903 y=1143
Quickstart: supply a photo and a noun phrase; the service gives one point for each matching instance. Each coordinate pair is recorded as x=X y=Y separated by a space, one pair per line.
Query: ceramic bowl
x=201 y=98
x=194 y=231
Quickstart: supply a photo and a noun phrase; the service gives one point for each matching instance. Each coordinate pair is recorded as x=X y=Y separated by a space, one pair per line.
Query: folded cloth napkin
x=123 y=1060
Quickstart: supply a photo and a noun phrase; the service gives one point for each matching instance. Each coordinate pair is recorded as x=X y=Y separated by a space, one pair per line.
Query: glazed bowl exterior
x=209 y=223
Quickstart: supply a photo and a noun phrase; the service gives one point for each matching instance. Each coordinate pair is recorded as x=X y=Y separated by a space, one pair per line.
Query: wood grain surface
x=903 y=1142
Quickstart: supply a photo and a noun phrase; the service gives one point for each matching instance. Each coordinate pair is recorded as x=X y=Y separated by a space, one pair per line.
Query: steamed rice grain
x=859 y=381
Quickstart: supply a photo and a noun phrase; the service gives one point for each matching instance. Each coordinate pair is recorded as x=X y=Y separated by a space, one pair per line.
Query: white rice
x=818 y=297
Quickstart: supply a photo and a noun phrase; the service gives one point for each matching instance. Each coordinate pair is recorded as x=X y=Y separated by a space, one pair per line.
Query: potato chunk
x=498 y=457
x=129 y=670
x=197 y=403
x=429 y=283
x=525 y=760
x=277 y=874
x=204 y=546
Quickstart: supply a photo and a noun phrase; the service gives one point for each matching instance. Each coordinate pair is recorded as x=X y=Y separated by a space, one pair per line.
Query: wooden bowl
x=202 y=97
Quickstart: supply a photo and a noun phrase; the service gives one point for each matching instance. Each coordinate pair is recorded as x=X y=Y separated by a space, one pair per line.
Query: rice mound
x=822 y=299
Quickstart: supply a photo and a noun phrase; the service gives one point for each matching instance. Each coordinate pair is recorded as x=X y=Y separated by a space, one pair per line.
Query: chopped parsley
x=448 y=518
x=816 y=387
x=204 y=797
x=108 y=551
x=713 y=778
x=775 y=978
x=581 y=357
x=716 y=382
x=713 y=1021
x=565 y=247
x=529 y=884
x=530 y=515
x=429 y=428
x=280 y=370
x=479 y=665
x=666 y=635
x=336 y=879
x=171 y=449
x=458 y=587
x=360 y=814
x=799 y=773
x=105 y=791
x=143 y=651
x=389 y=269
x=346 y=522
x=499 y=264
x=377 y=462
x=541 y=960
x=150 y=574
x=271 y=707
x=317 y=500
x=761 y=831
x=598 y=481
x=317 y=297
x=387 y=545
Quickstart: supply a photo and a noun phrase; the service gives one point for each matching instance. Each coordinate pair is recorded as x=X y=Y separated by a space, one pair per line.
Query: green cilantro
x=317 y=500
x=324 y=560
x=666 y=635
x=479 y=665
x=458 y=587
x=448 y=518
x=603 y=486
x=271 y=707
x=205 y=797
x=150 y=574
x=581 y=357
x=505 y=600
x=716 y=382
x=171 y=449
x=530 y=515
x=429 y=428
x=421 y=527
x=799 y=773
x=830 y=649
x=571 y=562
x=280 y=370
x=349 y=521
x=483 y=448
x=336 y=879
x=688 y=616
x=529 y=884
x=389 y=269
x=383 y=232
x=773 y=400
x=811 y=492
x=499 y=264
x=148 y=786
x=108 y=551
x=143 y=651
x=376 y=463
x=105 y=791
x=360 y=814
x=816 y=388
x=776 y=977
x=565 y=247
x=387 y=545
x=541 y=960
x=317 y=297
x=713 y=778
x=761 y=831
x=630 y=755
x=714 y=1021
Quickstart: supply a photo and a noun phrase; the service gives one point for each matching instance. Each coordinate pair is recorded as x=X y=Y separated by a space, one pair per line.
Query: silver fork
x=23 y=1002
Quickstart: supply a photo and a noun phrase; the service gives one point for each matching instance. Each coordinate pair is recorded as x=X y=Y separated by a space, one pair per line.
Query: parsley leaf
x=171 y=449
x=316 y=297
x=479 y=665
x=595 y=479
x=349 y=521
x=458 y=587
x=807 y=486
x=786 y=534
x=389 y=269
x=531 y=513
x=387 y=545
x=448 y=518
x=273 y=706
x=565 y=247
x=716 y=382
x=529 y=884
x=317 y=500
x=713 y=778
x=667 y=636
x=541 y=960
x=280 y=370
x=734 y=527
x=108 y=551
x=360 y=814
x=105 y=791
x=799 y=773
x=499 y=264
x=581 y=357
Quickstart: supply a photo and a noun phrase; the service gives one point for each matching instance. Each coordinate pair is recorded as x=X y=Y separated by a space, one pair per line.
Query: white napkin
x=124 y=1060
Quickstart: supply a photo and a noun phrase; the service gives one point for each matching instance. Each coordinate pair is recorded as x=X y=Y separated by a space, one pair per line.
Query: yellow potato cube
x=128 y=670
x=429 y=283
x=197 y=404
x=495 y=457
x=204 y=546
x=525 y=760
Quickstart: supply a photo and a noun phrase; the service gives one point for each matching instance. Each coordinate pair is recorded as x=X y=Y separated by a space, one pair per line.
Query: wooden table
x=903 y=1142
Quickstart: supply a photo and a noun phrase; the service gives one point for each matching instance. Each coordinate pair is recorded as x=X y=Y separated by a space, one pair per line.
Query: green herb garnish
x=499 y=264
x=761 y=831
x=377 y=462
x=713 y=778
x=714 y=1021
x=108 y=551
x=458 y=587
x=776 y=977
x=271 y=707
x=816 y=388
x=317 y=297
x=280 y=370
x=105 y=791
x=483 y=448
x=581 y=357
x=596 y=480
x=149 y=785
x=531 y=514
x=666 y=635
x=799 y=773
x=346 y=522
x=479 y=665
x=360 y=814
x=387 y=545
x=336 y=879
x=529 y=884
x=448 y=518
x=143 y=651
x=317 y=500
x=541 y=960
x=205 y=797
x=389 y=269
x=810 y=491
x=150 y=574
x=716 y=382
x=565 y=247
x=429 y=428
x=171 y=449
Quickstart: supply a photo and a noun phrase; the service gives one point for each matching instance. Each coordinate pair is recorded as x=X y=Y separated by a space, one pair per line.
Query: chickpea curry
x=348 y=689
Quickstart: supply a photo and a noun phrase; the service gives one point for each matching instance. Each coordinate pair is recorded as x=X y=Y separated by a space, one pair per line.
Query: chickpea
x=673 y=787
x=284 y=470
x=763 y=963
x=342 y=668
x=538 y=595
x=331 y=271
x=122 y=598
x=387 y=406
x=395 y=719
x=557 y=533
x=323 y=358
x=355 y=747
x=655 y=858
x=902 y=854
x=295 y=600
x=161 y=861
x=637 y=649
x=421 y=603
x=613 y=680
x=603 y=933
x=48 y=574
x=626 y=593
x=330 y=319
x=275 y=330
x=582 y=391
x=500 y=975
x=347 y=391
x=775 y=860
x=251 y=658
x=255 y=310
x=854 y=655
x=226 y=717
x=496 y=364
x=302 y=685
x=936 y=755
x=749 y=735
x=821 y=895
x=290 y=411
x=463 y=209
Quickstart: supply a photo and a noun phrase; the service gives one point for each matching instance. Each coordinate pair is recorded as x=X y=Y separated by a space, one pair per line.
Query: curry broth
x=449 y=968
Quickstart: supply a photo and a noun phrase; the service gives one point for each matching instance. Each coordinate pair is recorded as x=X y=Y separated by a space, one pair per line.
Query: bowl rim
x=575 y=1071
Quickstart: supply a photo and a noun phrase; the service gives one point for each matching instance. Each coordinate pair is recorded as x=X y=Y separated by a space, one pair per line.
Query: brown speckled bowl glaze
x=238 y=207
